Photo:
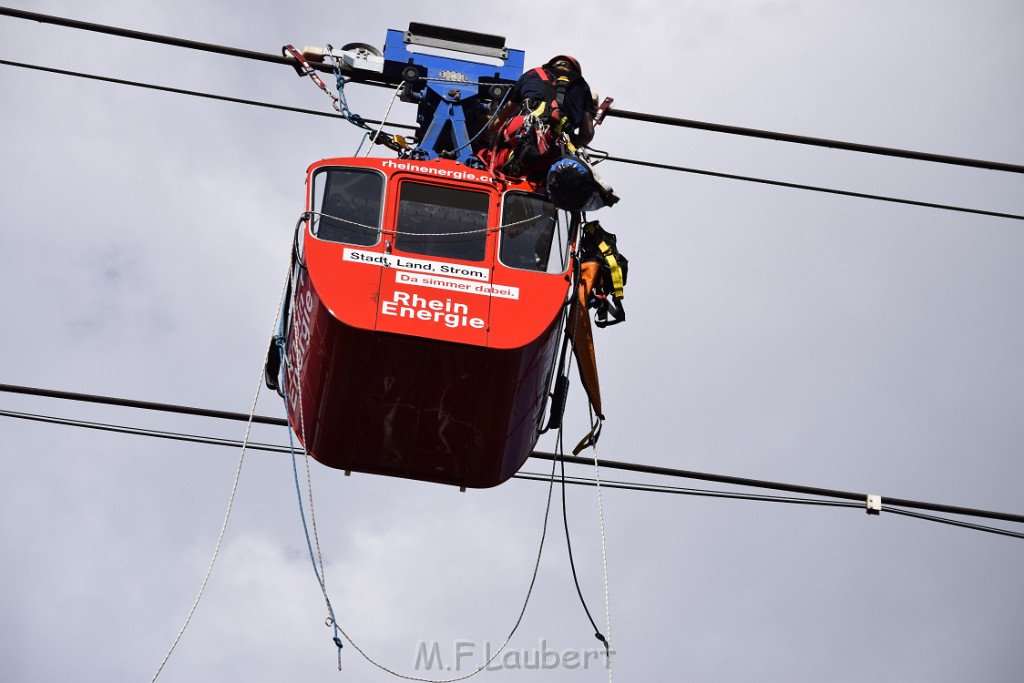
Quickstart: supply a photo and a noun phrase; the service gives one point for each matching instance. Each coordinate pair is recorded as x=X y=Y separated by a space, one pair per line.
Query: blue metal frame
x=452 y=88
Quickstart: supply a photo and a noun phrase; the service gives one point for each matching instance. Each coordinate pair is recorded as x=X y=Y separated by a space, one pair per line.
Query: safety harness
x=600 y=245
x=530 y=141
x=556 y=85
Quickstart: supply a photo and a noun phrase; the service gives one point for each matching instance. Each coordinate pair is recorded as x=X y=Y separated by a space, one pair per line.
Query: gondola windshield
x=441 y=221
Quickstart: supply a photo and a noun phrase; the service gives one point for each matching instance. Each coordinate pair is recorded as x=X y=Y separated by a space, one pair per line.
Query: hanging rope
x=604 y=565
x=568 y=543
x=331 y=620
x=227 y=512
x=589 y=440
x=320 y=575
x=383 y=121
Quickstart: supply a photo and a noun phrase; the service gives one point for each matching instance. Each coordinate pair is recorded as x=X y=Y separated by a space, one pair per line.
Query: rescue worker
x=544 y=103
x=578 y=107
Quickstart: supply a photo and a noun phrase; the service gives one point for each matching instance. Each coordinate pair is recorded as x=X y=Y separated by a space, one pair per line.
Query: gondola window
x=442 y=221
x=349 y=205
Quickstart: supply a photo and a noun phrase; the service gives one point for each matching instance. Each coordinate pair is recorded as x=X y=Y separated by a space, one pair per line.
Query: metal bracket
x=357 y=57
x=602 y=110
x=444 y=38
x=874 y=505
x=451 y=92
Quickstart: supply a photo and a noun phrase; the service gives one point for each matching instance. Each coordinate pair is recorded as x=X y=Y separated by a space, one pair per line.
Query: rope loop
x=331 y=620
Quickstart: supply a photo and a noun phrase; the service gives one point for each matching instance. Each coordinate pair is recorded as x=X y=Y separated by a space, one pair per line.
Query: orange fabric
x=582 y=335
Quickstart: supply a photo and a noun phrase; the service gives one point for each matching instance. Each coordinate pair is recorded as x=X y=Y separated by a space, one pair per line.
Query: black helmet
x=570 y=184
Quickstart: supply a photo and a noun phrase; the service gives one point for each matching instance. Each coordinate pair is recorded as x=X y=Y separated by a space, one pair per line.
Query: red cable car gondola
x=428 y=300
x=425 y=319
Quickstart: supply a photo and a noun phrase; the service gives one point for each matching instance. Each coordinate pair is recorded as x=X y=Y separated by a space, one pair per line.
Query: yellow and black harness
x=597 y=244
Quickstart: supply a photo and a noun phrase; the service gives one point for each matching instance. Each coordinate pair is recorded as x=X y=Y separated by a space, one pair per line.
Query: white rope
x=515 y=627
x=312 y=511
x=604 y=563
x=331 y=618
x=227 y=512
x=373 y=229
x=384 y=121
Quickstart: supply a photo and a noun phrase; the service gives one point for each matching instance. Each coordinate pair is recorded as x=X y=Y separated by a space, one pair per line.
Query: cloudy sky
x=773 y=333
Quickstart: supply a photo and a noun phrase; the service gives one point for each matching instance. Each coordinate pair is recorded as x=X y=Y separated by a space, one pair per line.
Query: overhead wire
x=817 y=142
x=192 y=93
x=601 y=156
x=138 y=431
x=952 y=522
x=856 y=499
x=529 y=476
x=814 y=188
x=781 y=486
x=525 y=476
x=763 y=498
x=142 y=405
x=148 y=37
x=611 y=112
x=699 y=493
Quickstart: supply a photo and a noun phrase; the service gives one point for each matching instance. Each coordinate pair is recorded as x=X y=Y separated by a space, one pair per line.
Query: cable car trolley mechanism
x=427 y=301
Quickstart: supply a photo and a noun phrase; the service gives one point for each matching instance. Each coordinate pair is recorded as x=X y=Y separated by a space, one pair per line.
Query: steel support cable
x=526 y=476
x=191 y=93
x=155 y=38
x=529 y=476
x=140 y=431
x=816 y=142
x=540 y=455
x=686 y=491
x=636 y=162
x=761 y=498
x=142 y=405
x=952 y=522
x=813 y=188
x=780 y=486
x=612 y=111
